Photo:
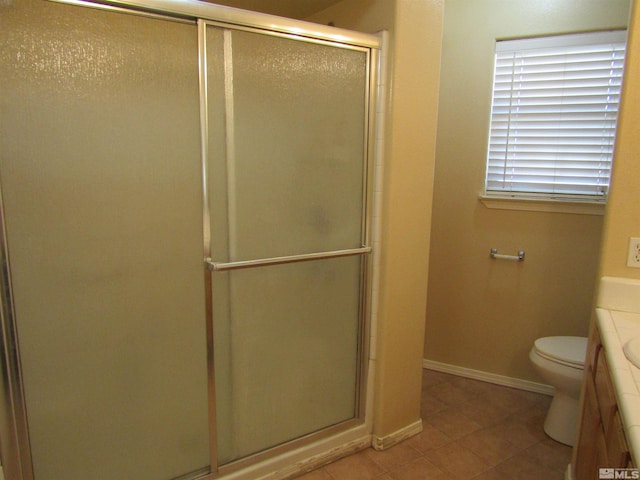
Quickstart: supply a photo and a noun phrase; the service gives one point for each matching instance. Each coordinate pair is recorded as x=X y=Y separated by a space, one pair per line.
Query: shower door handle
x=221 y=266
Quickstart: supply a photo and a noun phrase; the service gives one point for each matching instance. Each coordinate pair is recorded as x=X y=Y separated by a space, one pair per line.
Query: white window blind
x=554 y=115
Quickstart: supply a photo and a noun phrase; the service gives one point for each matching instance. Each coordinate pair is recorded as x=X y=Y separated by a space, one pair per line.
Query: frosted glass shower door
x=287 y=179
x=102 y=189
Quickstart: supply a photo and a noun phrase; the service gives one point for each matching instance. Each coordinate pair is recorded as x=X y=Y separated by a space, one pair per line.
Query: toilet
x=560 y=362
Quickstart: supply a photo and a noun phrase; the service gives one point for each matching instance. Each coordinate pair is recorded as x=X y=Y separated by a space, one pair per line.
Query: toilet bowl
x=560 y=362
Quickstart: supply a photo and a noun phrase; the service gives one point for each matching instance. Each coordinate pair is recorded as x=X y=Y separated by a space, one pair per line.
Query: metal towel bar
x=498 y=256
x=215 y=266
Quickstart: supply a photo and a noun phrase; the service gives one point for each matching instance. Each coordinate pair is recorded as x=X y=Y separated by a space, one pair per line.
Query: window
x=553 y=117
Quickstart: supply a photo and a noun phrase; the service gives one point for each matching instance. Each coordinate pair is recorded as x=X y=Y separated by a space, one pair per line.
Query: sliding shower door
x=287 y=188
x=101 y=182
x=184 y=239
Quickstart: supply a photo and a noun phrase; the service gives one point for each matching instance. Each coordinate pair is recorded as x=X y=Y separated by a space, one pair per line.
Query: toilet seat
x=568 y=351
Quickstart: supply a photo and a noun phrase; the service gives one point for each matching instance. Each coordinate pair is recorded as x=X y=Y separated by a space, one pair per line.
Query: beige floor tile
x=484 y=412
x=550 y=454
x=430 y=405
x=476 y=386
x=489 y=445
x=535 y=398
x=509 y=399
x=532 y=415
x=420 y=469
x=358 y=466
x=471 y=430
x=519 y=433
x=451 y=394
x=316 y=475
x=393 y=457
x=457 y=460
x=493 y=474
x=431 y=377
x=453 y=423
x=429 y=438
x=522 y=467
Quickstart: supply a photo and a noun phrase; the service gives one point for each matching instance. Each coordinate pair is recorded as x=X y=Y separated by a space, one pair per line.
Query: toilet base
x=562 y=418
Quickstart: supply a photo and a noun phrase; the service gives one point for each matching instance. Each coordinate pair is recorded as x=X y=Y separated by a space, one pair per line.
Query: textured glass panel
x=293 y=117
x=286 y=153
x=102 y=188
x=291 y=369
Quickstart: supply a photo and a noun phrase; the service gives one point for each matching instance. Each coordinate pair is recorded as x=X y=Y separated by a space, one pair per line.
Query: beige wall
x=416 y=28
x=485 y=314
x=623 y=213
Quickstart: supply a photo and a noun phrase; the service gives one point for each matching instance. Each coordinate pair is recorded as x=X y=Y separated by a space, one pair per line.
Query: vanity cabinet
x=601 y=441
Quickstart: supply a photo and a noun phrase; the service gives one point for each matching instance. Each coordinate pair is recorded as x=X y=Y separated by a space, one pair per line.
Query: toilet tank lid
x=566 y=349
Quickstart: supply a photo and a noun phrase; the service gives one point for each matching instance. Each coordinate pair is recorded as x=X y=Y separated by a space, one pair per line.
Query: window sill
x=539 y=205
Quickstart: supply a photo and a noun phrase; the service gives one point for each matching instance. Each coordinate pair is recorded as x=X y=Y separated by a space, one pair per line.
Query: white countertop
x=618 y=320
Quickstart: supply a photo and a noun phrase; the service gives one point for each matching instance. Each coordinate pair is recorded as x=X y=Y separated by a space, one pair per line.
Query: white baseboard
x=388 y=441
x=488 y=377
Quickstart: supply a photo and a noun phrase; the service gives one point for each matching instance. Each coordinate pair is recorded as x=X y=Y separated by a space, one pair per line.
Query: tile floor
x=472 y=430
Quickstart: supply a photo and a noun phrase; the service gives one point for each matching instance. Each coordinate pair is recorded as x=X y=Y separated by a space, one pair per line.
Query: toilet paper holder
x=499 y=256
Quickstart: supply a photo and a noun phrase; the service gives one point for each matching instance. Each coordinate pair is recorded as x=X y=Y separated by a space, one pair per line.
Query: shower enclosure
x=186 y=261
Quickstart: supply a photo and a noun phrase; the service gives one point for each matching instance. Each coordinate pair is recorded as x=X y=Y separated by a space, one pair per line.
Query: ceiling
x=298 y=9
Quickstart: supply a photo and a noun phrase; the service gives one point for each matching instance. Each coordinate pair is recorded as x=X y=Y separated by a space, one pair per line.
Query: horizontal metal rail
x=499 y=256
x=194 y=9
x=261 y=262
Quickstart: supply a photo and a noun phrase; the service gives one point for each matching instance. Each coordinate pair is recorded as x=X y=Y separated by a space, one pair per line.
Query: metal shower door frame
x=14 y=434
x=364 y=251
